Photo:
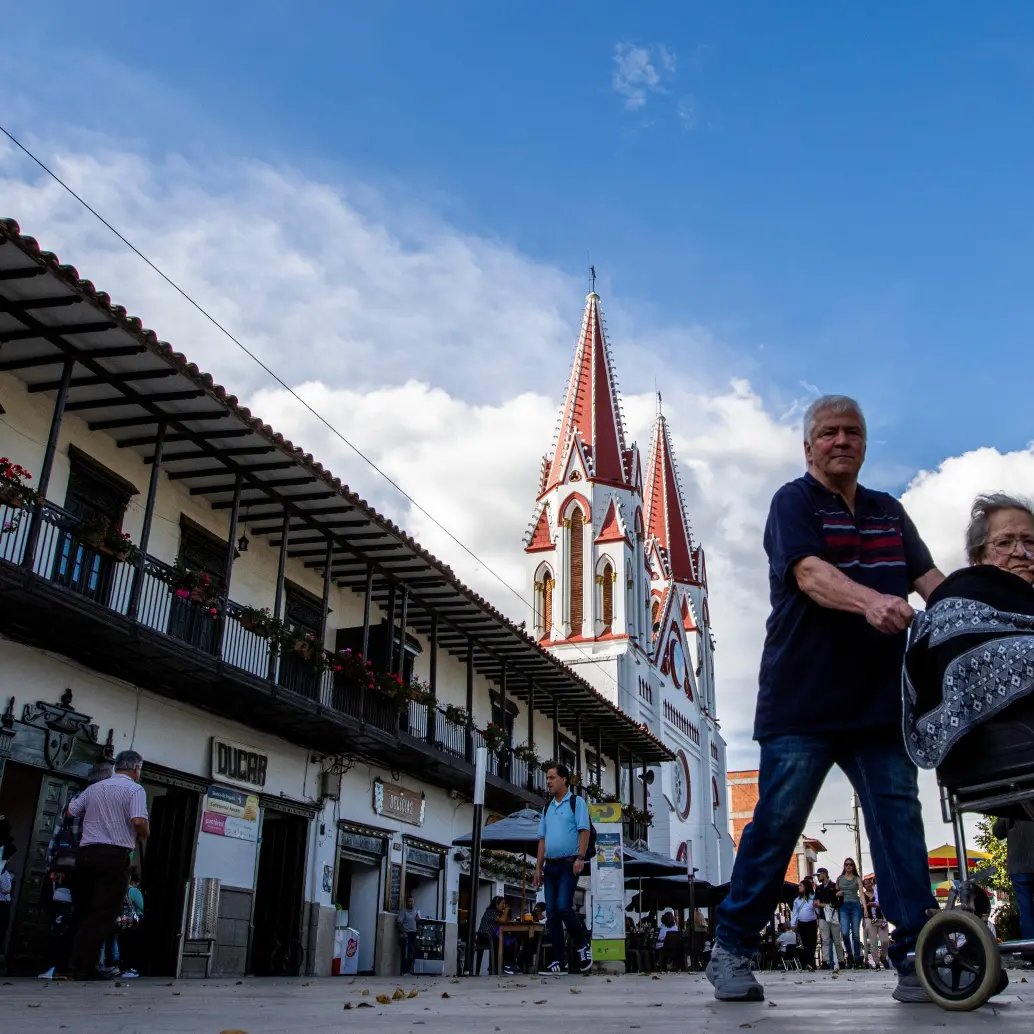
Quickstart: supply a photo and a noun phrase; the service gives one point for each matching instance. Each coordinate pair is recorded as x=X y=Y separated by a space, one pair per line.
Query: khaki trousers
x=877 y=938
x=828 y=932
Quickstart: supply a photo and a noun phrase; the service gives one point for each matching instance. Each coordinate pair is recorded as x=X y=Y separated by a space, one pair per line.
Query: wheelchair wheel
x=957 y=960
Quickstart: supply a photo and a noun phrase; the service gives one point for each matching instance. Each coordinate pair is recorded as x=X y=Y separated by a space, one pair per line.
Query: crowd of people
x=836 y=924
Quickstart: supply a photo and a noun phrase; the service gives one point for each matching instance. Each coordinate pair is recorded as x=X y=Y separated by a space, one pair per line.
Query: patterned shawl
x=970 y=655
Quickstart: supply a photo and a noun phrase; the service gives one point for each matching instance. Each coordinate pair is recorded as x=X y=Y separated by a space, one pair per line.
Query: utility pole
x=856 y=820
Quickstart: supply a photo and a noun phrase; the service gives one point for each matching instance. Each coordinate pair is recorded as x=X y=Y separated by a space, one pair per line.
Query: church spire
x=665 y=508
x=591 y=412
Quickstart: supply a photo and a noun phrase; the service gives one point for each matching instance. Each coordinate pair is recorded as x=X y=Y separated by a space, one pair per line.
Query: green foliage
x=1006 y=920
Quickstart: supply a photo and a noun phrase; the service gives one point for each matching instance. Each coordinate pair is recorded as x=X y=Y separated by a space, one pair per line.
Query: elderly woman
x=971 y=654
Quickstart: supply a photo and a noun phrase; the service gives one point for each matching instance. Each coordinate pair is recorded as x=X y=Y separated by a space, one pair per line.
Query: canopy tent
x=946 y=857
x=640 y=862
x=518 y=832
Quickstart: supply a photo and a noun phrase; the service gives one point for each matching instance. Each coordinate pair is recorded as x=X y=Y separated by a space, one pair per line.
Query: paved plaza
x=797 y=1004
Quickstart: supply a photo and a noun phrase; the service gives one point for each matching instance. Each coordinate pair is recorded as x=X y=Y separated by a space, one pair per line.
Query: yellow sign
x=610 y=812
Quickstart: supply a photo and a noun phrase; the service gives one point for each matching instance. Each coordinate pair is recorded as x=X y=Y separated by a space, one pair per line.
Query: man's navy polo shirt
x=825 y=670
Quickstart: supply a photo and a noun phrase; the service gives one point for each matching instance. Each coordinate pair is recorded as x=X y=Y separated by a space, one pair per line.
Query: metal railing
x=217 y=627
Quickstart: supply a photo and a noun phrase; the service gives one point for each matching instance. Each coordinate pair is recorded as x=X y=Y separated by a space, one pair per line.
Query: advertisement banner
x=608 y=884
x=231 y=813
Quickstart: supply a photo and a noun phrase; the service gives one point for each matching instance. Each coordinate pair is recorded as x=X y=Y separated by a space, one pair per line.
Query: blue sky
x=392 y=203
x=848 y=203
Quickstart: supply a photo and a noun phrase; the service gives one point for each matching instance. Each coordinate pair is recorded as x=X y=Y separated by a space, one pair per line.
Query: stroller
x=969 y=713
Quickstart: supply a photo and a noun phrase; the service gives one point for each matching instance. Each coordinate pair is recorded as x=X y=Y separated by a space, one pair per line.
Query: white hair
x=979 y=529
x=836 y=404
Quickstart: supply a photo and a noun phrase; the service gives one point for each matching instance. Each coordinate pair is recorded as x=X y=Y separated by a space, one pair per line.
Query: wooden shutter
x=608 y=597
x=577 y=540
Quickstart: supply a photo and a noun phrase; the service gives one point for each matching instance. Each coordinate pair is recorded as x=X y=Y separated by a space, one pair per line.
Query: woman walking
x=805 y=921
x=849 y=884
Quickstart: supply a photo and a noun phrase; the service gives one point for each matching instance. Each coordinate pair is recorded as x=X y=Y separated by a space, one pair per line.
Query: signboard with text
x=238 y=764
x=396 y=802
x=231 y=813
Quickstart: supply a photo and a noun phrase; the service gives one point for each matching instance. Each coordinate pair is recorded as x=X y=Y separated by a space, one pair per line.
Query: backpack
x=590 y=850
x=66 y=847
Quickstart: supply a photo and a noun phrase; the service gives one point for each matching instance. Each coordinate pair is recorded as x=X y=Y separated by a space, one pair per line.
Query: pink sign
x=213 y=824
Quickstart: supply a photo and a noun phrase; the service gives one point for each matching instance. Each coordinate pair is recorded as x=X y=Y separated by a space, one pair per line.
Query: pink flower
x=183 y=593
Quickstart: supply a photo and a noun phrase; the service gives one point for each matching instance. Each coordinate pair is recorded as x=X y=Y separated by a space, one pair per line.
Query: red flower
x=183 y=593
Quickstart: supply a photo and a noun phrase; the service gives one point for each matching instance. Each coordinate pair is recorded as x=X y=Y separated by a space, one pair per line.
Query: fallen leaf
x=347 y=1005
x=574 y=990
x=366 y=992
x=364 y=1005
x=540 y=1001
x=398 y=995
x=445 y=994
x=384 y=999
x=655 y=977
x=413 y=994
x=33 y=1005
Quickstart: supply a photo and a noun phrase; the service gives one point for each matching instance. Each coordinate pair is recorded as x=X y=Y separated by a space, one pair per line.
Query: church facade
x=620 y=591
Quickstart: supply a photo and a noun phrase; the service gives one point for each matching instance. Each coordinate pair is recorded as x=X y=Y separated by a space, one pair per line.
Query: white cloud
x=640 y=71
x=687 y=112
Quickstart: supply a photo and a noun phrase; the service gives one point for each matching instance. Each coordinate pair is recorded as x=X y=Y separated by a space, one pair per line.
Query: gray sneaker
x=732 y=977
x=909 y=990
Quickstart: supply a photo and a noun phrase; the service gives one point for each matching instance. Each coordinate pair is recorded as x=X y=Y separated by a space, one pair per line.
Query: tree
x=1006 y=919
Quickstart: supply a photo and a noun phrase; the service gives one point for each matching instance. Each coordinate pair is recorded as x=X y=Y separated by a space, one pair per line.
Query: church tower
x=620 y=592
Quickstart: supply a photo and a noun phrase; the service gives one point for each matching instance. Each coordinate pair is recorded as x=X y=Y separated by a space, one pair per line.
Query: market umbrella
x=518 y=832
x=657 y=894
x=946 y=857
x=641 y=862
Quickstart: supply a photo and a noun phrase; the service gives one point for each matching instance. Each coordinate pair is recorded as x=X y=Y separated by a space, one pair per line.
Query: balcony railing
x=216 y=627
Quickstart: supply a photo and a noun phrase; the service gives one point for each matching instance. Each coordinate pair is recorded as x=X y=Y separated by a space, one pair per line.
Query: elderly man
x=842 y=562
x=114 y=817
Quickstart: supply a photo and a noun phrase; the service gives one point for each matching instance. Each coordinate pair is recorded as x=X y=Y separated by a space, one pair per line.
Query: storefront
x=360 y=884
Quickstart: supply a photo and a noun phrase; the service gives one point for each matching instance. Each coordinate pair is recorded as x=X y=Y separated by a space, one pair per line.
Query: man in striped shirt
x=114 y=817
x=842 y=561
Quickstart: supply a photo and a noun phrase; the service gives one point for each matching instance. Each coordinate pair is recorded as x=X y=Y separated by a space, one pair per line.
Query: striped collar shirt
x=107 y=809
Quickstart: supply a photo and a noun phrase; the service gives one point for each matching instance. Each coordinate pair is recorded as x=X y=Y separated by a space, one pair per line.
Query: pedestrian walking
x=849 y=885
x=408 y=917
x=563 y=842
x=1019 y=861
x=877 y=936
x=114 y=819
x=843 y=560
x=804 y=921
x=827 y=901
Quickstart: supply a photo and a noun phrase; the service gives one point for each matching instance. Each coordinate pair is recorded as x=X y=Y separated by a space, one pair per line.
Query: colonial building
x=306 y=684
x=620 y=590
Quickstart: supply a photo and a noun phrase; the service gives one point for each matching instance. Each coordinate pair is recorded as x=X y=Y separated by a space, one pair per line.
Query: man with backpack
x=564 y=844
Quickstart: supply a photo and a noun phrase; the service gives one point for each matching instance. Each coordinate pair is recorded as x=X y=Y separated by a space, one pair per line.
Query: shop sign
x=361 y=843
x=230 y=813
x=396 y=802
x=239 y=764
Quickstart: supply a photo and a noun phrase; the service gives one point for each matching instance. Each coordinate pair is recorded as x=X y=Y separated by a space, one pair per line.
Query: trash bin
x=346 y=952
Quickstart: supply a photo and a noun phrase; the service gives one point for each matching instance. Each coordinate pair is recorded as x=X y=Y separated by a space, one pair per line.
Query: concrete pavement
x=797 y=1004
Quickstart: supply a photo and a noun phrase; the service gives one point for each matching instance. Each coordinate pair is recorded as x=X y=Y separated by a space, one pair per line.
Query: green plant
x=637 y=815
x=456 y=714
x=496 y=737
x=304 y=646
x=260 y=621
x=104 y=536
x=526 y=752
x=420 y=692
x=352 y=669
x=196 y=586
x=392 y=687
x=1005 y=917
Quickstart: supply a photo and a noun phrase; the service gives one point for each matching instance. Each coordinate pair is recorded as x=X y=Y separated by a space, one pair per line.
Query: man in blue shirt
x=842 y=562
x=563 y=841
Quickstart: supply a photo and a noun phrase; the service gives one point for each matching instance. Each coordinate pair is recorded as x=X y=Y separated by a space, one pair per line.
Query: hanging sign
x=230 y=813
x=397 y=802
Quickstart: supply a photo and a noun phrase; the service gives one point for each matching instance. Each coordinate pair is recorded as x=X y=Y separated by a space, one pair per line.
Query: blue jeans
x=558 y=883
x=408 y=951
x=851 y=928
x=1023 y=891
x=792 y=771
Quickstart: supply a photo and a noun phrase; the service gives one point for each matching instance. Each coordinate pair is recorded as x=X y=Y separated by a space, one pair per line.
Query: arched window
x=607 y=593
x=576 y=550
x=547 y=606
x=630 y=597
x=716 y=801
x=655 y=618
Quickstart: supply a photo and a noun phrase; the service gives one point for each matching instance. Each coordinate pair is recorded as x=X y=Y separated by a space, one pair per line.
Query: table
x=524 y=929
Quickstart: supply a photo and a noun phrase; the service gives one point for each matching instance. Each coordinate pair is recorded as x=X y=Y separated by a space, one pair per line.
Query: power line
x=286 y=387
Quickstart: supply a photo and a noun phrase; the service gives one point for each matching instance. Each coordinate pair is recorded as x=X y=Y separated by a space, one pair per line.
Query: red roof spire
x=591 y=408
x=665 y=508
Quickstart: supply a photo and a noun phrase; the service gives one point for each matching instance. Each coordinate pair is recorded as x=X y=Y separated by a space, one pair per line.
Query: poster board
x=608 y=884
